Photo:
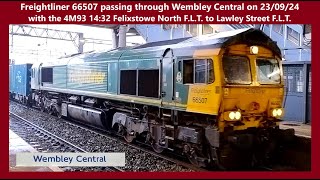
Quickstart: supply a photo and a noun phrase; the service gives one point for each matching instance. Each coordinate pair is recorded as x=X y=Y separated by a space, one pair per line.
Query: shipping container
x=20 y=77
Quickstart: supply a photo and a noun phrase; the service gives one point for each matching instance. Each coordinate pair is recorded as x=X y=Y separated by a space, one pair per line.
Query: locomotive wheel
x=21 y=100
x=42 y=108
x=56 y=111
x=196 y=157
x=50 y=110
x=157 y=148
x=59 y=115
x=193 y=158
x=128 y=137
x=215 y=159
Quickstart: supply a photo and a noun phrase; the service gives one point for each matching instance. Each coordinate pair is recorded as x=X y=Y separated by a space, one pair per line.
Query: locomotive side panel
x=135 y=69
x=206 y=97
x=113 y=77
x=88 y=77
x=59 y=77
x=35 y=78
x=84 y=73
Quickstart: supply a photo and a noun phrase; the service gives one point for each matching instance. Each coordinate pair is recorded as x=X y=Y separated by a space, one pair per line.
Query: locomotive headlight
x=277 y=112
x=237 y=115
x=274 y=112
x=232 y=115
x=254 y=50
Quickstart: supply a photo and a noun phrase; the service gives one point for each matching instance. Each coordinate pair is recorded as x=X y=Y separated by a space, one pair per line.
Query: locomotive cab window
x=268 y=71
x=198 y=71
x=236 y=69
x=47 y=75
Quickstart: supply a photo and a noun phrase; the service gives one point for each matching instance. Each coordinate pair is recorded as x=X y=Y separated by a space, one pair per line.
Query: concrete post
x=115 y=39
x=122 y=36
x=81 y=43
x=200 y=28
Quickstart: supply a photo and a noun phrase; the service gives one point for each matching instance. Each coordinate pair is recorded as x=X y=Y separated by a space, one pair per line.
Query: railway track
x=142 y=147
x=145 y=148
x=45 y=141
x=105 y=134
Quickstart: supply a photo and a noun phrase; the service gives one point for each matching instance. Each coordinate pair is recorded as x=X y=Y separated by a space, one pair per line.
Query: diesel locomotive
x=209 y=98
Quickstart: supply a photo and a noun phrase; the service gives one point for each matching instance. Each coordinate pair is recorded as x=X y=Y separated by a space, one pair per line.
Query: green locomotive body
x=192 y=95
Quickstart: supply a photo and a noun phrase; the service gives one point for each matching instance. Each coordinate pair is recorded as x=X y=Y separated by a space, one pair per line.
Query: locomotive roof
x=183 y=46
x=248 y=36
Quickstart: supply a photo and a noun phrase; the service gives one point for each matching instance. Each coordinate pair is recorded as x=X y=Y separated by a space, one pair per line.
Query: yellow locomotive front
x=251 y=105
x=253 y=88
x=240 y=109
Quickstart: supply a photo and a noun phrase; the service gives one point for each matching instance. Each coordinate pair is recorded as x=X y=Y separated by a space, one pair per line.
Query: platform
x=17 y=145
x=303 y=130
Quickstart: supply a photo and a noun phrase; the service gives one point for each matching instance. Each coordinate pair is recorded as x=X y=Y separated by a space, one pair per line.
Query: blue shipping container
x=20 y=79
x=11 y=80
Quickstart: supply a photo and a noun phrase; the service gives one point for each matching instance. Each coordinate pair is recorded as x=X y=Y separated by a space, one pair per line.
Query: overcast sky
x=30 y=49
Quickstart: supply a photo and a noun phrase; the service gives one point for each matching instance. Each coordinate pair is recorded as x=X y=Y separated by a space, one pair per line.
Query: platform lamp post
x=38 y=45
x=81 y=44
